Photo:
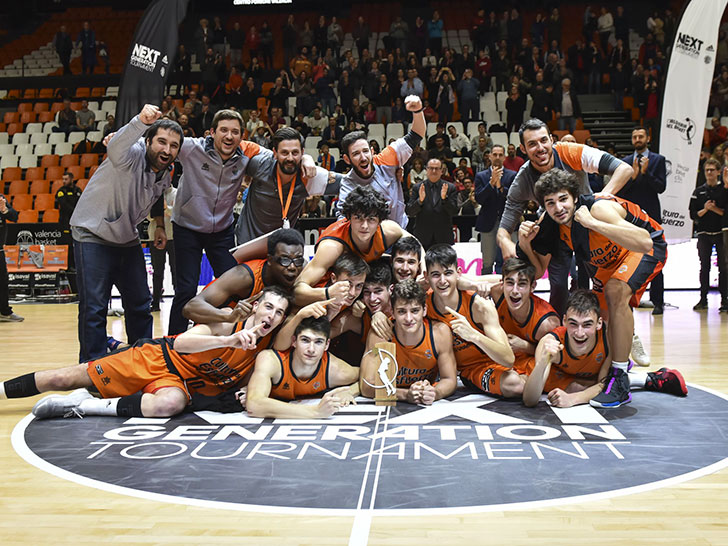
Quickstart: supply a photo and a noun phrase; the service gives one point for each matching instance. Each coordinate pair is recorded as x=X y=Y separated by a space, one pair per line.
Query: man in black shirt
x=7 y=214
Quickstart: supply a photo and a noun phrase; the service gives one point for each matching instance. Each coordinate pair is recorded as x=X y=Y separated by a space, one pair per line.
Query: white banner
x=687 y=91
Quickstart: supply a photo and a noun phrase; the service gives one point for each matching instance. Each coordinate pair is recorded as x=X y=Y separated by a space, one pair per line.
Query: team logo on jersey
x=387 y=457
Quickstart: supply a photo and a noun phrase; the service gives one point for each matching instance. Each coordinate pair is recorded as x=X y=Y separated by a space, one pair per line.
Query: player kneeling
x=573 y=361
x=305 y=370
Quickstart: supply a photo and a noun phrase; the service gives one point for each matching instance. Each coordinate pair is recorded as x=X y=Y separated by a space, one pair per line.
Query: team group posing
x=273 y=330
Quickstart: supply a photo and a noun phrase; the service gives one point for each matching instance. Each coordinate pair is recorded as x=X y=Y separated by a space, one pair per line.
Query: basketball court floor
x=469 y=470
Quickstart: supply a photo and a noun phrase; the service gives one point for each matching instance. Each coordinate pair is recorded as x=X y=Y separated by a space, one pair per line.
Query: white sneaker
x=638 y=352
x=58 y=405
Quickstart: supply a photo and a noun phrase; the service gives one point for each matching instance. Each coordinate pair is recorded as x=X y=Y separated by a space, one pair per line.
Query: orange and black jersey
x=290 y=387
x=466 y=353
x=418 y=362
x=256 y=270
x=340 y=231
x=222 y=368
x=540 y=311
x=586 y=366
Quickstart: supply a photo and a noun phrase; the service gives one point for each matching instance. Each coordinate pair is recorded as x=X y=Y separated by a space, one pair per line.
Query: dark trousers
x=558 y=269
x=469 y=110
x=706 y=243
x=5 y=308
x=188 y=256
x=99 y=267
x=159 y=260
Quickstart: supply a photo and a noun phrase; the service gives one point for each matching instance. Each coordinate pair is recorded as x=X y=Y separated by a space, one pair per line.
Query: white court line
x=363 y=520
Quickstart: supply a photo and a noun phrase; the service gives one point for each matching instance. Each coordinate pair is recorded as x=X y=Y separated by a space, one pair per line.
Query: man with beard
x=380 y=171
x=230 y=298
x=107 y=251
x=158 y=377
x=281 y=181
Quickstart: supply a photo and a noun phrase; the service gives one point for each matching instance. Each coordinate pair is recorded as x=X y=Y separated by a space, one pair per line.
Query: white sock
x=3 y=396
x=621 y=365
x=637 y=380
x=99 y=406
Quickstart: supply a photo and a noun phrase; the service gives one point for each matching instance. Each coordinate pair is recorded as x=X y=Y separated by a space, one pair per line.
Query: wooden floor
x=37 y=508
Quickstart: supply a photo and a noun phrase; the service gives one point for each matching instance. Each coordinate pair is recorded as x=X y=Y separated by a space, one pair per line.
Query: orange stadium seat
x=13 y=94
x=77 y=171
x=55 y=172
x=22 y=201
x=25 y=107
x=76 y=105
x=27 y=216
x=11 y=117
x=30 y=94
x=581 y=135
x=51 y=216
x=40 y=186
x=28 y=117
x=98 y=92
x=35 y=173
x=46 y=93
x=69 y=160
x=89 y=160
x=18 y=187
x=56 y=185
x=45 y=117
x=39 y=107
x=12 y=173
x=50 y=160
x=92 y=170
x=44 y=201
x=81 y=183
x=14 y=128
x=83 y=92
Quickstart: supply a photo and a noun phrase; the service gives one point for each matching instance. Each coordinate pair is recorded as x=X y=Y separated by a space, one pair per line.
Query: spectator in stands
x=501 y=69
x=399 y=112
x=417 y=173
x=707 y=210
x=621 y=26
x=266 y=45
x=280 y=92
x=110 y=122
x=566 y=105
x=87 y=41
x=515 y=106
x=439 y=132
x=444 y=103
x=481 y=152
x=469 y=93
x=335 y=35
x=325 y=159
x=538 y=29
x=289 y=34
x=85 y=118
x=459 y=143
x=413 y=85
x=542 y=93
x=104 y=227
x=168 y=109
x=512 y=161
x=320 y=34
x=432 y=204
x=361 y=32
x=324 y=87
x=317 y=122
x=184 y=123
x=262 y=137
x=66 y=119
x=63 y=45
x=301 y=64
x=332 y=134
x=299 y=124
x=718 y=133
x=399 y=32
x=605 y=26
x=554 y=25
x=218 y=36
x=7 y=214
x=202 y=39
x=236 y=39
x=594 y=68
x=182 y=70
x=434 y=33
x=66 y=199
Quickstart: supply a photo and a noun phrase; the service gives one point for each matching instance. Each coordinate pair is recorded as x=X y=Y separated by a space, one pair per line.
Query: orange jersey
x=571 y=368
x=418 y=362
x=601 y=252
x=540 y=311
x=340 y=231
x=291 y=387
x=466 y=353
x=151 y=364
x=255 y=269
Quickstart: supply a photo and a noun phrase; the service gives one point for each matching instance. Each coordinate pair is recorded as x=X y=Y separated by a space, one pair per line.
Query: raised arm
x=120 y=145
x=206 y=306
x=305 y=291
x=608 y=218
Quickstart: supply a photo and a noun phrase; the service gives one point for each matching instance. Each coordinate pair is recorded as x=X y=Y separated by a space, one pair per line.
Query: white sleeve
x=317 y=184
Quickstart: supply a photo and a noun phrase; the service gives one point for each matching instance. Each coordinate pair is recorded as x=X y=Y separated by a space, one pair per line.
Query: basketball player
x=305 y=370
x=224 y=299
x=574 y=360
x=406 y=259
x=623 y=247
x=423 y=350
x=364 y=232
x=206 y=360
x=348 y=272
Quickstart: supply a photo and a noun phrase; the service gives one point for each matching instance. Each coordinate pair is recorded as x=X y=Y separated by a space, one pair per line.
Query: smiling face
x=560 y=206
x=443 y=279
x=289 y=155
x=356 y=285
x=517 y=290
x=375 y=297
x=537 y=146
x=405 y=265
x=408 y=316
x=310 y=346
x=360 y=158
x=581 y=331
x=269 y=310
x=227 y=137
x=363 y=227
x=162 y=150
x=292 y=257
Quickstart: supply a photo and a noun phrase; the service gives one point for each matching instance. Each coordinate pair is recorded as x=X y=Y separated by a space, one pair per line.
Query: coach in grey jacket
x=106 y=244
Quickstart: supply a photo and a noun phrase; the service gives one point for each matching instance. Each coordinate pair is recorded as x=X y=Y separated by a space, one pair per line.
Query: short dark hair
x=277 y=291
x=712 y=161
x=366 y=201
x=167 y=124
x=497 y=146
x=639 y=128
x=583 y=302
x=350 y=139
x=286 y=133
x=351 y=264
x=406 y=245
x=554 y=181
x=227 y=114
x=380 y=272
x=284 y=236
x=533 y=124
x=408 y=290
x=524 y=268
x=319 y=325
x=68 y=173
x=442 y=255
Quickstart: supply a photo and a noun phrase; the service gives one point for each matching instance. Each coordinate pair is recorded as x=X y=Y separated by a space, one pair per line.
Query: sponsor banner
x=685 y=101
x=150 y=58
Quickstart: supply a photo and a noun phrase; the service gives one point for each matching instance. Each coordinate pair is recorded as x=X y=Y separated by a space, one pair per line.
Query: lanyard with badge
x=284 y=210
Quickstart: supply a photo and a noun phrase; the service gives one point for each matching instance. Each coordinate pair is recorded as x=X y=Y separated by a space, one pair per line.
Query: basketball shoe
x=615 y=392
x=669 y=381
x=639 y=355
x=58 y=405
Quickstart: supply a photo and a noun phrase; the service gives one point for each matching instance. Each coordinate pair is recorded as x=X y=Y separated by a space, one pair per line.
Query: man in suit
x=491 y=190
x=433 y=204
x=566 y=106
x=649 y=179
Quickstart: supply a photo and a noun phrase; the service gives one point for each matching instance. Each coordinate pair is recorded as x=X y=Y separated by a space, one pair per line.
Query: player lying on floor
x=305 y=370
x=573 y=361
x=206 y=361
x=423 y=350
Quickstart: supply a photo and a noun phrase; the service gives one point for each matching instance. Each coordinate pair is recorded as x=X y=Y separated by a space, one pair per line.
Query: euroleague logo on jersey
x=468 y=453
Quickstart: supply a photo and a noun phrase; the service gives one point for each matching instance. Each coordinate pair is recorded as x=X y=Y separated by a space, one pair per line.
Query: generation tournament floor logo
x=469 y=453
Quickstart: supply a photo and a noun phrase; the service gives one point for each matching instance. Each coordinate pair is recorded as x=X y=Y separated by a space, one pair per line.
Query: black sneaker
x=615 y=391
x=669 y=381
x=658 y=310
x=723 y=307
x=702 y=304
